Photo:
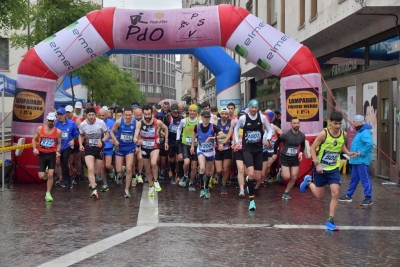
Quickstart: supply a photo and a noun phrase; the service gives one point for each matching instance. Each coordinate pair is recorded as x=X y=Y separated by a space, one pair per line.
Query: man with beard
x=125 y=146
x=147 y=136
x=69 y=132
x=223 y=157
x=290 y=155
x=173 y=121
x=252 y=124
x=96 y=133
x=49 y=139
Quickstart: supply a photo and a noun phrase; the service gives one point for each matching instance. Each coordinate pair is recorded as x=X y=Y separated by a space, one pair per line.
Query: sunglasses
x=50 y=120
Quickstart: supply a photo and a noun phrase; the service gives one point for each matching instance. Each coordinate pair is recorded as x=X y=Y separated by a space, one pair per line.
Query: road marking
x=147 y=221
x=277 y=226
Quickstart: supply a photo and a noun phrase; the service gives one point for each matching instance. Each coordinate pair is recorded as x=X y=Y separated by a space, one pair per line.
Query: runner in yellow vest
x=325 y=152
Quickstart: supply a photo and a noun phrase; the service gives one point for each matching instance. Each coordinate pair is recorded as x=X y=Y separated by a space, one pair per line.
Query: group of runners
x=196 y=142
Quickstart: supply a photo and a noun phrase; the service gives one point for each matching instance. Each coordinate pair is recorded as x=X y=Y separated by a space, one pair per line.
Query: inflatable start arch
x=112 y=28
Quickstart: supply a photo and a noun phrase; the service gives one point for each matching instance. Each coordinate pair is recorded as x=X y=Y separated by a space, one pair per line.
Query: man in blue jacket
x=70 y=132
x=362 y=144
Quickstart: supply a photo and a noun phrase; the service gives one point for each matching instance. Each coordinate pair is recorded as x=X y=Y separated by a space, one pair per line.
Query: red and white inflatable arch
x=112 y=28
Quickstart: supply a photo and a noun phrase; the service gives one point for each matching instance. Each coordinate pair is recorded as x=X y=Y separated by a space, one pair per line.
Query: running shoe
x=241 y=193
x=173 y=179
x=112 y=175
x=345 y=198
x=367 y=202
x=279 y=176
x=214 y=180
x=48 y=197
x=139 y=178
x=58 y=182
x=224 y=191
x=151 y=192
x=104 y=188
x=98 y=177
x=252 y=205
x=191 y=187
x=202 y=193
x=127 y=194
x=330 y=225
x=63 y=185
x=74 y=181
x=286 y=196
x=303 y=185
x=94 y=194
x=183 y=181
x=210 y=184
x=207 y=194
x=134 y=181
x=157 y=186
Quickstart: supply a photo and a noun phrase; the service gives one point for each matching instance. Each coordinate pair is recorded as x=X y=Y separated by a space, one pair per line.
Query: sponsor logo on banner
x=303 y=104
x=225 y=102
x=28 y=105
x=178 y=28
x=71 y=47
x=262 y=44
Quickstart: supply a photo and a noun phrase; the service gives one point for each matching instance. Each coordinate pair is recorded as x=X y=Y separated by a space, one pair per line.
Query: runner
x=96 y=133
x=77 y=155
x=108 y=151
x=223 y=157
x=49 y=139
x=173 y=121
x=206 y=133
x=290 y=156
x=238 y=149
x=125 y=146
x=252 y=124
x=149 y=142
x=186 y=127
x=69 y=131
x=138 y=160
x=78 y=110
x=231 y=107
x=325 y=152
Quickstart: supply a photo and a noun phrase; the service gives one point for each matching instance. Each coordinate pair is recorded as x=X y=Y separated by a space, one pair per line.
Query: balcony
x=187 y=95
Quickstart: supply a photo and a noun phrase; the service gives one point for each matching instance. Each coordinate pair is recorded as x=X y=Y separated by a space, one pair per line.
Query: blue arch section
x=221 y=65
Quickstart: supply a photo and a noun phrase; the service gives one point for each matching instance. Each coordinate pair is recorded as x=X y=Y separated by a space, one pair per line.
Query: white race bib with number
x=291 y=151
x=147 y=144
x=64 y=135
x=253 y=136
x=329 y=158
x=206 y=146
x=46 y=142
x=173 y=128
x=93 y=142
x=126 y=137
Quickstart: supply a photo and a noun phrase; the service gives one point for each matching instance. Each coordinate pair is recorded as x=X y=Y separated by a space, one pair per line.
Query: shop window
x=342 y=63
x=380 y=53
x=271 y=13
x=271 y=104
x=340 y=95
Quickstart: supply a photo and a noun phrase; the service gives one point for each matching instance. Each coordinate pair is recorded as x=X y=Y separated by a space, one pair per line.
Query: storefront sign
x=303 y=104
x=29 y=105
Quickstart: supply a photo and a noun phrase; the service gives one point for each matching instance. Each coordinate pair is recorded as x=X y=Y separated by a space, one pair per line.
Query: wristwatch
x=316 y=163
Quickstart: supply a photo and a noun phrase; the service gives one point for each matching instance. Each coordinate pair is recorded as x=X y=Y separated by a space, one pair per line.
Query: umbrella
x=171 y=101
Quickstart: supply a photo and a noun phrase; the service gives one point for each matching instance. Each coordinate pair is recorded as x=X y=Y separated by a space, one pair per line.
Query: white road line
x=277 y=226
x=147 y=221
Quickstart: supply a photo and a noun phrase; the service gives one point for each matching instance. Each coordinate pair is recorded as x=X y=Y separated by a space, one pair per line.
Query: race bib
x=329 y=158
x=93 y=142
x=291 y=151
x=206 y=146
x=253 y=136
x=173 y=128
x=64 y=135
x=147 y=144
x=126 y=137
x=46 y=143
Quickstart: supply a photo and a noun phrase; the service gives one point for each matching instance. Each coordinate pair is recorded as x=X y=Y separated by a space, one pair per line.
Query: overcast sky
x=144 y=4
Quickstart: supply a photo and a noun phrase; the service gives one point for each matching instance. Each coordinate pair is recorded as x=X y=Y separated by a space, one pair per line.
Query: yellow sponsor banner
x=29 y=105
x=303 y=104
